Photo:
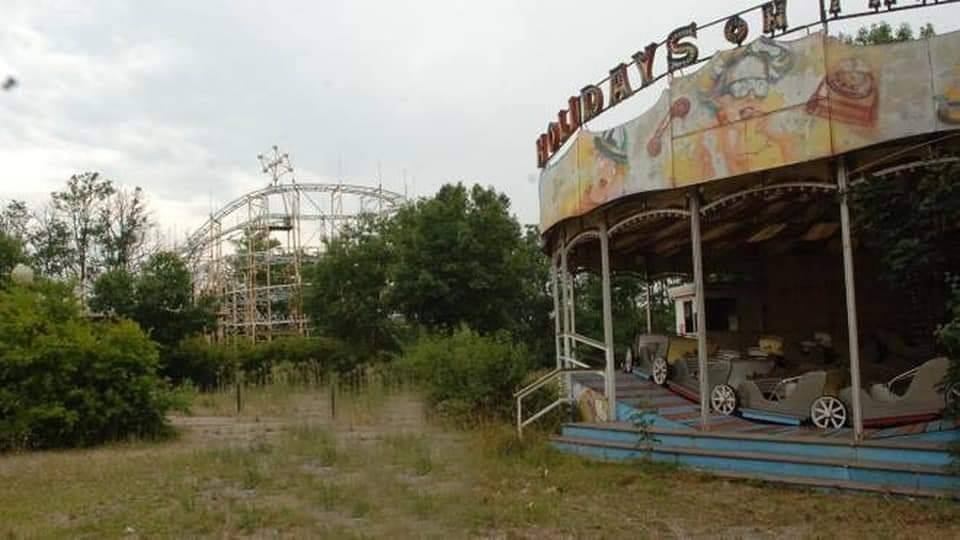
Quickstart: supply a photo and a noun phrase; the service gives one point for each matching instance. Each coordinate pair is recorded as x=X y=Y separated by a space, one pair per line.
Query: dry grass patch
x=379 y=470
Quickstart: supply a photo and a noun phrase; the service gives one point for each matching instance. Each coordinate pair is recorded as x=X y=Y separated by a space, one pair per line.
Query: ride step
x=885 y=476
x=817 y=483
x=883 y=450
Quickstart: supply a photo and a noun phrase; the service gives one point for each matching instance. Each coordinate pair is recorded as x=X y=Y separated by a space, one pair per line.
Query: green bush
x=294 y=359
x=466 y=376
x=308 y=358
x=66 y=381
x=205 y=365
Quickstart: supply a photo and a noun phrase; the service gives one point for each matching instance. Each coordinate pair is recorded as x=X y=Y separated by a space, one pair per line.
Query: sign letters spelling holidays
x=765 y=103
x=678 y=50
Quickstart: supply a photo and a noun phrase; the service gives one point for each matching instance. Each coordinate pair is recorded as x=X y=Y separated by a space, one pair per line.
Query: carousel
x=789 y=357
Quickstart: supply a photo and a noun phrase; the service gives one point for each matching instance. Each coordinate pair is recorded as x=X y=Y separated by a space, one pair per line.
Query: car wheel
x=723 y=399
x=628 y=362
x=828 y=412
x=660 y=370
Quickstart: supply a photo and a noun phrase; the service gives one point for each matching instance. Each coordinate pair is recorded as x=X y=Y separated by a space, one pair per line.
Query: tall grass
x=356 y=394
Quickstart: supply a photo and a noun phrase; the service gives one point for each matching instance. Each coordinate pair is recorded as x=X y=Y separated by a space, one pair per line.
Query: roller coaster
x=249 y=256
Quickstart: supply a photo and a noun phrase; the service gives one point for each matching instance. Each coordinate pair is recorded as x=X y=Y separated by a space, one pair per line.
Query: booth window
x=689 y=321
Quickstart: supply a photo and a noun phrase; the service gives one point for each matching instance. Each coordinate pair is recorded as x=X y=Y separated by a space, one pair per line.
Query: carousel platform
x=908 y=460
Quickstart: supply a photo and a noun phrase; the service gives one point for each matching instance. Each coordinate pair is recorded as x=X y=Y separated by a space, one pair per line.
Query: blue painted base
x=870 y=473
x=766 y=416
x=626 y=413
x=911 y=463
x=948 y=437
x=826 y=448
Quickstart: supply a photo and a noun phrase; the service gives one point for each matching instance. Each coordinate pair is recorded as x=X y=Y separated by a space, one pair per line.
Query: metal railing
x=586 y=341
x=550 y=377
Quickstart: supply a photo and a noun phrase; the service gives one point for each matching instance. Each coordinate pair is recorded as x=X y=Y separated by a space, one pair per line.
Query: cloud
x=70 y=113
x=179 y=97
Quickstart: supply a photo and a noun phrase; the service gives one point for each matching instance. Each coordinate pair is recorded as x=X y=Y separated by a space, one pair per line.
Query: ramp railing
x=558 y=375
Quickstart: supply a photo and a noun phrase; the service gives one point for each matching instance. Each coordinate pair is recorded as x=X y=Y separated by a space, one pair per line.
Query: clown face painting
x=741 y=93
x=605 y=181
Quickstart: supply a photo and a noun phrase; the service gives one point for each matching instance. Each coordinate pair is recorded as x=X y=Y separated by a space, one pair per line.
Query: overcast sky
x=179 y=97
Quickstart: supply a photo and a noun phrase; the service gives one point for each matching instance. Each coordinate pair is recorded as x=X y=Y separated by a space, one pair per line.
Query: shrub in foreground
x=467 y=376
x=66 y=381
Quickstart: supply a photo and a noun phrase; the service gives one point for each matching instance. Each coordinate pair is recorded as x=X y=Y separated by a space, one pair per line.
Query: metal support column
x=611 y=379
x=649 y=307
x=853 y=333
x=701 y=311
x=572 y=306
x=566 y=302
x=250 y=310
x=557 y=314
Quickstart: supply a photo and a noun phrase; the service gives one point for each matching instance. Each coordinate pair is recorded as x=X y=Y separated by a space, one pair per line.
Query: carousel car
x=672 y=361
x=913 y=396
x=793 y=400
x=685 y=380
x=646 y=348
x=725 y=373
x=653 y=355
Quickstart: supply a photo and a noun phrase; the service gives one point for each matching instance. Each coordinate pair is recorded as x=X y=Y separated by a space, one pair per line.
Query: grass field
x=283 y=468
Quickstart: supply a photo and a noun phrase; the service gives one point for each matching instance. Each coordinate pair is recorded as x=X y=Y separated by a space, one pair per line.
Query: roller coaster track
x=202 y=236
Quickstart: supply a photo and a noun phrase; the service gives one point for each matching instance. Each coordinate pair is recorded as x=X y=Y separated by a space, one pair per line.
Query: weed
x=422 y=504
x=187 y=501
x=252 y=476
x=249 y=517
x=361 y=509
x=315 y=441
x=642 y=420
x=431 y=483
x=327 y=495
x=411 y=452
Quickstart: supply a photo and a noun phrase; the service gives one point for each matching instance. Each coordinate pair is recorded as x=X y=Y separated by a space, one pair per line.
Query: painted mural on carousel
x=762 y=105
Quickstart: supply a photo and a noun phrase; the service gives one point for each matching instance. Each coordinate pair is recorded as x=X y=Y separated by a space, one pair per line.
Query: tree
x=882 y=33
x=533 y=324
x=458 y=260
x=159 y=298
x=348 y=284
x=81 y=204
x=49 y=240
x=86 y=228
x=124 y=225
x=628 y=296
x=911 y=221
x=11 y=253
x=114 y=293
x=15 y=220
x=164 y=301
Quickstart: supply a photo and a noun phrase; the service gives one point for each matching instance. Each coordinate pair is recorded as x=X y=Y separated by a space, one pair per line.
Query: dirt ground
x=285 y=468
